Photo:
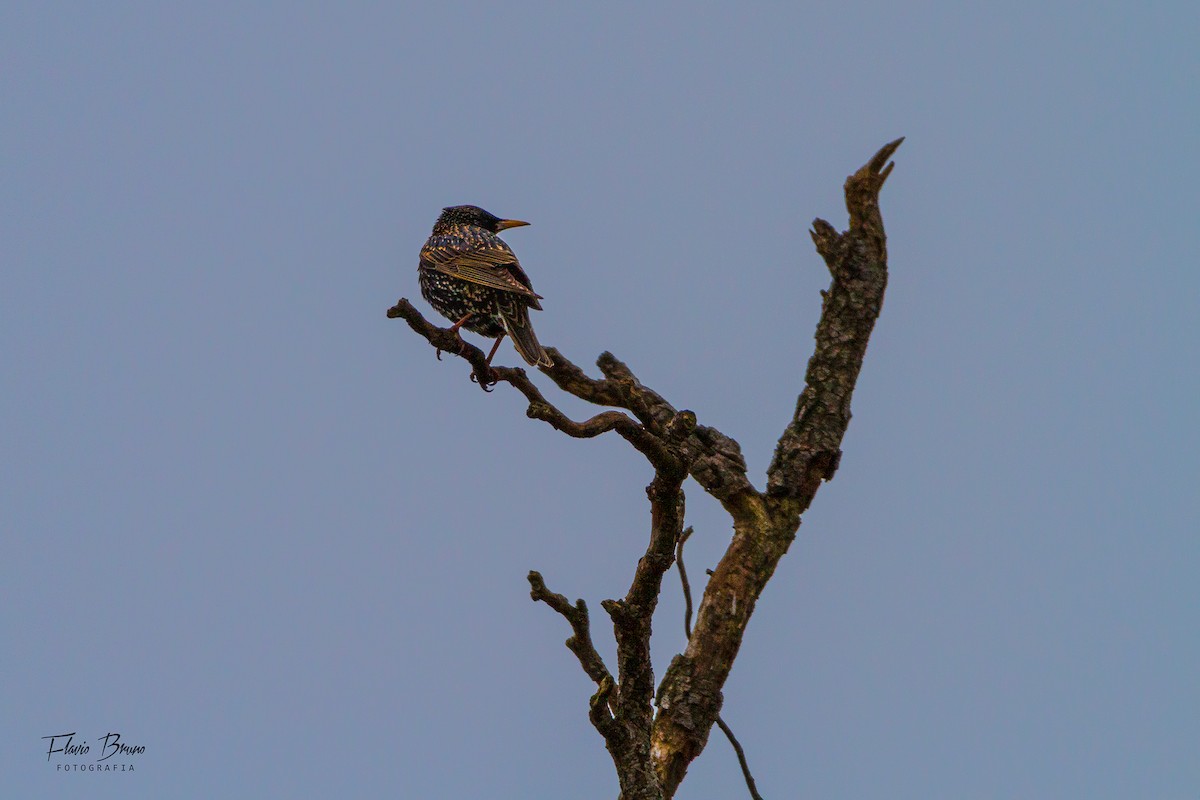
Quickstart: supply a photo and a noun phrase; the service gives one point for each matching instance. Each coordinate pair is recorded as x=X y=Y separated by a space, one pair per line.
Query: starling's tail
x=516 y=322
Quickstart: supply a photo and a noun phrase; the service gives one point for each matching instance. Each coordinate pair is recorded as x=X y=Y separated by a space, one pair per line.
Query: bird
x=472 y=277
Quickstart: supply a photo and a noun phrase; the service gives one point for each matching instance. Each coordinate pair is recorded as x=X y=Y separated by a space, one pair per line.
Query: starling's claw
x=491 y=380
x=439 y=354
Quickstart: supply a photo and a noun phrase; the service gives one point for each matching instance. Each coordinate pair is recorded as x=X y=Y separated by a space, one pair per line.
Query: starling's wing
x=487 y=261
x=514 y=268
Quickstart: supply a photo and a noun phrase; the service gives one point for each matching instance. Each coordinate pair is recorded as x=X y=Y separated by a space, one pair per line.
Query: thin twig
x=687 y=629
x=741 y=754
x=683 y=578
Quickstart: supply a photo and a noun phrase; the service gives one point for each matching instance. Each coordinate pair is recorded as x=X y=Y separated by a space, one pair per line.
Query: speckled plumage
x=465 y=268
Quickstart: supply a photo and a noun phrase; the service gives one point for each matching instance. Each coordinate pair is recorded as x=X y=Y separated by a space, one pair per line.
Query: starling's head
x=473 y=215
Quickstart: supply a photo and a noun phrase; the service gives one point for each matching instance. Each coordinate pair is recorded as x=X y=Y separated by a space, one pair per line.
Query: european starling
x=471 y=277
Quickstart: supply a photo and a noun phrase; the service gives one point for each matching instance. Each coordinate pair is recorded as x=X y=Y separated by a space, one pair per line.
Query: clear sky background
x=251 y=524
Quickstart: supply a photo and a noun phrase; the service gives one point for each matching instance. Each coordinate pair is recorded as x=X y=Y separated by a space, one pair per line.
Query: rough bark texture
x=652 y=752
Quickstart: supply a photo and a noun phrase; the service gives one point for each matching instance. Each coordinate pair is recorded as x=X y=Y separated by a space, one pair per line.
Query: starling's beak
x=505 y=224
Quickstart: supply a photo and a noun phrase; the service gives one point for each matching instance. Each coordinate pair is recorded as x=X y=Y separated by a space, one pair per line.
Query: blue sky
x=255 y=526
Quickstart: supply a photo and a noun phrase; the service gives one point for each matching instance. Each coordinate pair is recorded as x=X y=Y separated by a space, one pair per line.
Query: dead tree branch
x=687 y=633
x=652 y=752
x=741 y=757
x=580 y=642
x=807 y=453
x=631 y=617
x=683 y=579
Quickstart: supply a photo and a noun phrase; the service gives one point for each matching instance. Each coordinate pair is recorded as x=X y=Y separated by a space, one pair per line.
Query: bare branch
x=444 y=340
x=687 y=630
x=741 y=756
x=539 y=407
x=645 y=442
x=580 y=642
x=646 y=404
x=632 y=618
x=600 y=712
x=808 y=452
x=863 y=187
x=573 y=380
x=713 y=459
x=683 y=579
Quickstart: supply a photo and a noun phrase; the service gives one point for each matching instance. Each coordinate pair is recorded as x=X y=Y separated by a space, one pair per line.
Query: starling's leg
x=495 y=347
x=454 y=329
